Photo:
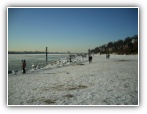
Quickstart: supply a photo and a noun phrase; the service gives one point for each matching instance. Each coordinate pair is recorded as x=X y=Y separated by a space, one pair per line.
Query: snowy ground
x=111 y=81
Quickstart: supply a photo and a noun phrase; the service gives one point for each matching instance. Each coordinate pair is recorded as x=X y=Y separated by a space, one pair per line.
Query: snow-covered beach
x=111 y=81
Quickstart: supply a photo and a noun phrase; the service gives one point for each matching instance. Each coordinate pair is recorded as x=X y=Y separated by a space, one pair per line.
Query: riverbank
x=111 y=81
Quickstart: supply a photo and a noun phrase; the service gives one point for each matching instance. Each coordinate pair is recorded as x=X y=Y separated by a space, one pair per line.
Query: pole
x=46 y=53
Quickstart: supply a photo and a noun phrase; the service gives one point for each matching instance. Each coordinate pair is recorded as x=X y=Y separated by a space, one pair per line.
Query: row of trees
x=127 y=46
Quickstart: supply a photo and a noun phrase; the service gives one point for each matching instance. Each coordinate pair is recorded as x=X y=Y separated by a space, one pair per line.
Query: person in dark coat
x=24 y=66
x=90 y=59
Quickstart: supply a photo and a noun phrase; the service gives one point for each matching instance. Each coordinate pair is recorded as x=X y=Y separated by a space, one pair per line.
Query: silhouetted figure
x=70 y=59
x=24 y=66
x=107 y=56
x=90 y=59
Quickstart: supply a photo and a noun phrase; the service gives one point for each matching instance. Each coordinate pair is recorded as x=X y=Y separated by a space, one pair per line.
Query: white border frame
x=76 y=105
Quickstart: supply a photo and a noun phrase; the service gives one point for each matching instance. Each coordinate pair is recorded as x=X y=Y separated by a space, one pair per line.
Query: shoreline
x=55 y=63
x=111 y=81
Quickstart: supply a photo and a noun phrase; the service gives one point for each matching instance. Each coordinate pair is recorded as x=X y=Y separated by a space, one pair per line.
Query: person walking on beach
x=107 y=56
x=24 y=66
x=90 y=58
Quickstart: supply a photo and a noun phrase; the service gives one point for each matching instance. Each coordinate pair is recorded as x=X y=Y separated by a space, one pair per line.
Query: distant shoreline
x=41 y=53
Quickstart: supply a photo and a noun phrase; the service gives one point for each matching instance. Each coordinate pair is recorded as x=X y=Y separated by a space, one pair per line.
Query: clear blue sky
x=68 y=29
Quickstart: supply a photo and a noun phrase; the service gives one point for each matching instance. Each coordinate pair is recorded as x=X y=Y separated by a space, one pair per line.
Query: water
x=15 y=60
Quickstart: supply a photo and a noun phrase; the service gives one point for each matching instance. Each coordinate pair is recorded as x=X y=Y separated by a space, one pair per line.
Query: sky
x=68 y=29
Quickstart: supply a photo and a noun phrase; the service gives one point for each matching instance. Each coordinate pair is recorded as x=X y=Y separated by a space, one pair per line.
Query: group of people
x=24 y=66
x=90 y=57
x=90 y=61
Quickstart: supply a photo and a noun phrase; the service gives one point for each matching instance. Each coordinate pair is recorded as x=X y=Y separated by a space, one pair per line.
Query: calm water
x=15 y=60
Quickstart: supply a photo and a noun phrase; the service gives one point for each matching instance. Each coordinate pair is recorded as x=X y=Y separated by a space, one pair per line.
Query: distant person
x=70 y=59
x=90 y=58
x=24 y=66
x=107 y=56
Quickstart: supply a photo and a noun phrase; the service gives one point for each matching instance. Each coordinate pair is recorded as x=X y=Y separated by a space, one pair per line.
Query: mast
x=46 y=53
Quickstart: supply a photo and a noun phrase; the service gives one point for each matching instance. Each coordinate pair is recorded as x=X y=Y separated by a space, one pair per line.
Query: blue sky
x=68 y=29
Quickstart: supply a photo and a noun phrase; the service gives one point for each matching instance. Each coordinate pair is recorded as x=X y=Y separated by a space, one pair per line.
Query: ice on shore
x=111 y=81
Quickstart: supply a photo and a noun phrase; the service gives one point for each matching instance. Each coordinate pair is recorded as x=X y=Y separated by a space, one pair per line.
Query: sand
x=104 y=82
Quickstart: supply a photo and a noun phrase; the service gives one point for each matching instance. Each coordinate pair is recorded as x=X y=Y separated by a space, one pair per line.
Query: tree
x=110 y=44
x=92 y=51
x=135 y=37
x=127 y=40
x=96 y=50
x=126 y=46
x=119 y=44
